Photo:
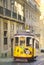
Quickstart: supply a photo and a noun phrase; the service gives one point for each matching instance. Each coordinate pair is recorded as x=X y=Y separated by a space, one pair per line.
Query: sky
x=42 y=8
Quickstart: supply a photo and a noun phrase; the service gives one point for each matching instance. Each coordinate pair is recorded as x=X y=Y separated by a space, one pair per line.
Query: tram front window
x=22 y=41
x=28 y=41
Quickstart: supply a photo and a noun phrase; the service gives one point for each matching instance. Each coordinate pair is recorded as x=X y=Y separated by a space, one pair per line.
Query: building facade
x=32 y=16
x=42 y=34
x=11 y=21
x=15 y=15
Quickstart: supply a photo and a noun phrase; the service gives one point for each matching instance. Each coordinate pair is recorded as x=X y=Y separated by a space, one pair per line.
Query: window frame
x=5 y=41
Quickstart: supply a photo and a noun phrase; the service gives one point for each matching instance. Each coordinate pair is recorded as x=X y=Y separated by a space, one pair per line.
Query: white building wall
x=9 y=39
x=32 y=17
x=42 y=34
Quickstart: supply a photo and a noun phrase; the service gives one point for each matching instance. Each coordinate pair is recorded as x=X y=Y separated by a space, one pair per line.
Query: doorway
x=12 y=47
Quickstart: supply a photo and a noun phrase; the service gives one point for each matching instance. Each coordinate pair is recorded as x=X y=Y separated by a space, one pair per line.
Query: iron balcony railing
x=6 y=12
x=14 y=15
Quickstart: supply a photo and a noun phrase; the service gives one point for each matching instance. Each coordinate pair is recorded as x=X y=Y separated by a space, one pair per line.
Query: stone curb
x=6 y=59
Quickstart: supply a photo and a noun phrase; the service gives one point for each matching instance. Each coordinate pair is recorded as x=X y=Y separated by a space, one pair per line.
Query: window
x=28 y=41
x=22 y=40
x=12 y=27
x=5 y=41
x=5 y=33
x=19 y=8
x=5 y=3
x=5 y=26
x=37 y=45
x=5 y=54
x=16 y=41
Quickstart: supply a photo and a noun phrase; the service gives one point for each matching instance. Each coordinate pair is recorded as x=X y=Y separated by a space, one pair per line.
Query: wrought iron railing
x=14 y=15
x=7 y=12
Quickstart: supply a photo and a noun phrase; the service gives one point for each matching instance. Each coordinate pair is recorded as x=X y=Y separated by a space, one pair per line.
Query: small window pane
x=16 y=40
x=5 y=33
x=5 y=26
x=22 y=40
x=5 y=54
x=37 y=44
x=5 y=40
x=28 y=41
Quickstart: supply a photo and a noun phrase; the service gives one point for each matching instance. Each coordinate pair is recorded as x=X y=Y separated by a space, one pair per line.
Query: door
x=12 y=47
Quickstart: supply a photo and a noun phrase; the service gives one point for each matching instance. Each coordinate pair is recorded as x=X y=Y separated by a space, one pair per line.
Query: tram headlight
x=27 y=51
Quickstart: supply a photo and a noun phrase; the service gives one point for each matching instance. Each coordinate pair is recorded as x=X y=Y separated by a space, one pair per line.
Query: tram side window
x=37 y=44
x=16 y=41
x=28 y=41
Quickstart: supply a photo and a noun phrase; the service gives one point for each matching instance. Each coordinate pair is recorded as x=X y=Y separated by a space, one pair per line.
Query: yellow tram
x=26 y=46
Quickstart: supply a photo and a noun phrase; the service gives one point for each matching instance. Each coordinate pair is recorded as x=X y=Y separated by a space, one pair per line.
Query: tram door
x=11 y=47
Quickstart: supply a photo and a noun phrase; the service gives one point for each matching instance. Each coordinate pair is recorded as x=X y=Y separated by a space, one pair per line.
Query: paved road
x=38 y=61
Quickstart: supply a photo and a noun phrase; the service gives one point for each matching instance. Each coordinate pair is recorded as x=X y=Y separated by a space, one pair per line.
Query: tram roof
x=24 y=34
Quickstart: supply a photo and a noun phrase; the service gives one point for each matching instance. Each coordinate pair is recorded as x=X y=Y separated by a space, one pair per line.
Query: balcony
x=14 y=15
x=7 y=13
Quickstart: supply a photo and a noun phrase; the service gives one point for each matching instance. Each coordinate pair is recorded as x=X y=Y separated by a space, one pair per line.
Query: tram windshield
x=28 y=41
x=22 y=41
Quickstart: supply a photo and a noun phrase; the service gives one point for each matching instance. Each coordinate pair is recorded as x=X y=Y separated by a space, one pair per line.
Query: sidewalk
x=6 y=59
